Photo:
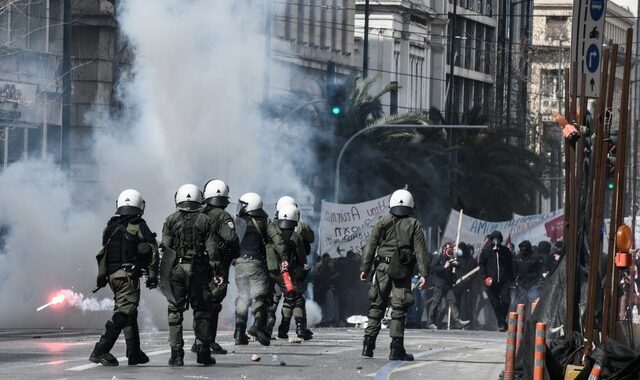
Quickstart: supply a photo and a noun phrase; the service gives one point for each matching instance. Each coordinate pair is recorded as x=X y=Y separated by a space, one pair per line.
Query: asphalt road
x=332 y=354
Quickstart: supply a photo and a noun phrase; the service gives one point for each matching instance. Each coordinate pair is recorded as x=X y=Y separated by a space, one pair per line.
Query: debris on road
x=255 y=358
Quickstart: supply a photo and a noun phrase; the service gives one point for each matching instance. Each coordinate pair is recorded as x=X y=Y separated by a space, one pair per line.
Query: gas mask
x=495 y=242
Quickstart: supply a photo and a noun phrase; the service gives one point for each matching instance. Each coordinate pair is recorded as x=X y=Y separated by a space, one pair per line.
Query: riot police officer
x=397 y=242
x=255 y=232
x=129 y=250
x=189 y=233
x=307 y=236
x=216 y=199
x=295 y=267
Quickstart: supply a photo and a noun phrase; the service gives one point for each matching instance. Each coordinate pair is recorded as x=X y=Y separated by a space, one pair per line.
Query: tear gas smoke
x=191 y=113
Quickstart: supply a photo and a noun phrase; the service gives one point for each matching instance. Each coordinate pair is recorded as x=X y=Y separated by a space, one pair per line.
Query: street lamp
x=336 y=191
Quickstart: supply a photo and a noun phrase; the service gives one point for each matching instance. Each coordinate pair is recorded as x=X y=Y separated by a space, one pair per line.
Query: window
x=287 y=22
x=556 y=27
x=334 y=23
x=18 y=23
x=323 y=24
x=312 y=23
x=549 y=83
x=37 y=24
x=300 y=20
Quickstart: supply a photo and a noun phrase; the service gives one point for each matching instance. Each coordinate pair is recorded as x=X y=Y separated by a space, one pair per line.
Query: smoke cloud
x=191 y=113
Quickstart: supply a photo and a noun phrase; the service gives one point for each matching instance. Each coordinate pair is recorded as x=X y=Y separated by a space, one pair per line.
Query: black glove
x=101 y=281
x=152 y=282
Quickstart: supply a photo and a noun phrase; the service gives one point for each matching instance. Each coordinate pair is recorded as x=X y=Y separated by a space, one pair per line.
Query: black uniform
x=129 y=249
x=496 y=263
x=443 y=281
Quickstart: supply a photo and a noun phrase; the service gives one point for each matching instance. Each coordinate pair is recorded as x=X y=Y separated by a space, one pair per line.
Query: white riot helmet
x=288 y=217
x=216 y=193
x=401 y=203
x=188 y=198
x=130 y=202
x=283 y=201
x=251 y=204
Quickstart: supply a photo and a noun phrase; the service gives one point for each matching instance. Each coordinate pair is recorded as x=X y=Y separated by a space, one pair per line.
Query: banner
x=535 y=228
x=346 y=227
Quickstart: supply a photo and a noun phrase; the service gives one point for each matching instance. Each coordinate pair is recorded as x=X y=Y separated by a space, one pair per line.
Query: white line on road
x=93 y=365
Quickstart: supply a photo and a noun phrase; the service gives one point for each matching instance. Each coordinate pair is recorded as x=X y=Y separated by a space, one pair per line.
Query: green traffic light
x=336 y=110
x=611 y=185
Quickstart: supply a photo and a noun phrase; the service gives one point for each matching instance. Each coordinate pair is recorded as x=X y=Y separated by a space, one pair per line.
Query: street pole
x=365 y=49
x=452 y=58
x=336 y=190
x=66 y=86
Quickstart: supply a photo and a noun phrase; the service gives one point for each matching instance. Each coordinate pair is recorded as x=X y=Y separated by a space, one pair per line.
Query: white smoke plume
x=192 y=113
x=79 y=301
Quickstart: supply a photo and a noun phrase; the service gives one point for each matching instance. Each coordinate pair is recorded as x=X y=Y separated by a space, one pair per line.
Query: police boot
x=204 y=355
x=100 y=353
x=283 y=329
x=240 y=334
x=271 y=323
x=397 y=350
x=134 y=353
x=368 y=345
x=213 y=332
x=195 y=348
x=257 y=331
x=177 y=357
x=301 y=329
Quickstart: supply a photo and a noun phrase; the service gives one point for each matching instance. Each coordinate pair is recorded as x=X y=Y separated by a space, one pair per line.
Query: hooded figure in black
x=444 y=277
x=466 y=296
x=496 y=270
x=529 y=267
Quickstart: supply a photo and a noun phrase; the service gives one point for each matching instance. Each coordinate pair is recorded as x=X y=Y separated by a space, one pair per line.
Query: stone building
x=550 y=54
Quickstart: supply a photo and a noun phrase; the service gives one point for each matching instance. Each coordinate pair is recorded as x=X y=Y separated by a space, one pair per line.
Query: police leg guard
x=397 y=350
x=135 y=355
x=177 y=357
x=240 y=333
x=213 y=328
x=204 y=355
x=283 y=329
x=301 y=329
x=271 y=323
x=100 y=353
x=368 y=345
x=257 y=330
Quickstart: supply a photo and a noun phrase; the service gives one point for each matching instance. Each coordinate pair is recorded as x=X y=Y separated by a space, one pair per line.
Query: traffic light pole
x=336 y=190
x=365 y=48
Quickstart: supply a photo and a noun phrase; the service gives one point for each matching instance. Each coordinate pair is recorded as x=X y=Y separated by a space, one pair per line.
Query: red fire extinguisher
x=288 y=283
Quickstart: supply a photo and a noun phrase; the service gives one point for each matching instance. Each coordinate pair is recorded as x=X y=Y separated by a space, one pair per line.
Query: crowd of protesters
x=467 y=288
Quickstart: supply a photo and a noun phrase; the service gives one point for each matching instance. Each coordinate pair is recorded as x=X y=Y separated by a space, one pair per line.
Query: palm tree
x=490 y=176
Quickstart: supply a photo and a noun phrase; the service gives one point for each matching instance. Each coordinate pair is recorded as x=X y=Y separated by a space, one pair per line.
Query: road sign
x=586 y=42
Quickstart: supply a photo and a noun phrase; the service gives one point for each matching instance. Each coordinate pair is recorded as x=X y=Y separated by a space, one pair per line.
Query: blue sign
x=596 y=9
x=592 y=58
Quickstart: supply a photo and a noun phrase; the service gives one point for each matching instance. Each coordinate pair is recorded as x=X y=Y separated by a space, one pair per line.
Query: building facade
x=407 y=45
x=550 y=55
x=305 y=36
x=30 y=85
x=472 y=34
x=31 y=50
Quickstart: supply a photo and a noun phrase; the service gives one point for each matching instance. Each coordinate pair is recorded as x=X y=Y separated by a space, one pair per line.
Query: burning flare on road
x=54 y=301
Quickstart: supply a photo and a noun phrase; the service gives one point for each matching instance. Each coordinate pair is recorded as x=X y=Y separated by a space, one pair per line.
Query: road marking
x=93 y=365
x=385 y=371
